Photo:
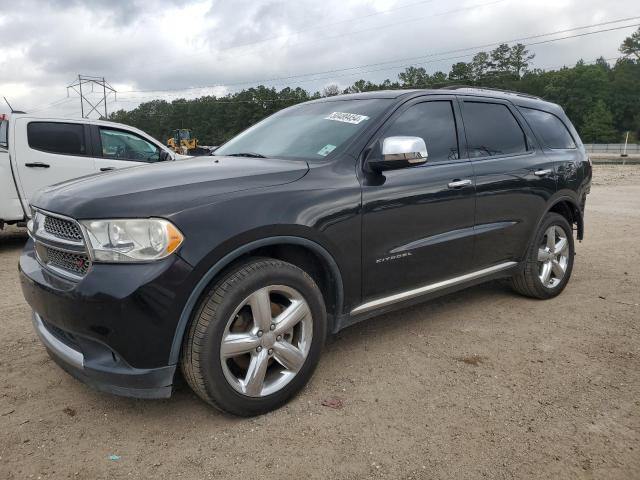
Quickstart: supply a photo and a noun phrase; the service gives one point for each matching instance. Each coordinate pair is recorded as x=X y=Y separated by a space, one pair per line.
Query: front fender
x=227 y=259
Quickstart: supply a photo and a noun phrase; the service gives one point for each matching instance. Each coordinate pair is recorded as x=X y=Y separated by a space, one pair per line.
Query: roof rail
x=491 y=89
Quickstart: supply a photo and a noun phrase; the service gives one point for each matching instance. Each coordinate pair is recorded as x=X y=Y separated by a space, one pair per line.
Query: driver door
x=417 y=222
x=115 y=148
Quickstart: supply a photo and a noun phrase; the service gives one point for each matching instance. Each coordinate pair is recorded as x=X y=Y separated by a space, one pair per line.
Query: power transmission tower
x=81 y=87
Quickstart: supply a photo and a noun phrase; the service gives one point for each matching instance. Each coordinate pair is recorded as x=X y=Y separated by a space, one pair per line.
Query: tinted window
x=550 y=129
x=4 y=127
x=67 y=138
x=120 y=145
x=492 y=130
x=435 y=123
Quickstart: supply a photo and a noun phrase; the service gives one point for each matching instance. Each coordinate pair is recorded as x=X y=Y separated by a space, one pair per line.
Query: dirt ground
x=482 y=383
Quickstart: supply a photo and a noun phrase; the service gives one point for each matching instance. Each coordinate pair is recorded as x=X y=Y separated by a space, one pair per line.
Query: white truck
x=36 y=152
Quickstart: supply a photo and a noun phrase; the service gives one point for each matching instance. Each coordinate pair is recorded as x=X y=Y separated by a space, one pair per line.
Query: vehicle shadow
x=12 y=238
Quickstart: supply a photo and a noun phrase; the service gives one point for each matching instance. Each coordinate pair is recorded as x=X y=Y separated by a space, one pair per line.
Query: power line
x=532 y=37
x=324 y=25
x=274 y=100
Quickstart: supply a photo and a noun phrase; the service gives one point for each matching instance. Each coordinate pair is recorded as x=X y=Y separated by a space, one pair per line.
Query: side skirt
x=425 y=292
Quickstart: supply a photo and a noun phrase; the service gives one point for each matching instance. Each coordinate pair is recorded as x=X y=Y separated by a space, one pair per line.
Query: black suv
x=237 y=265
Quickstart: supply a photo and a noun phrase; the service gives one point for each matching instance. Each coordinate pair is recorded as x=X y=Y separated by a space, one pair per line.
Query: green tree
x=461 y=72
x=598 y=125
x=631 y=45
x=501 y=59
x=480 y=65
x=519 y=58
x=414 y=77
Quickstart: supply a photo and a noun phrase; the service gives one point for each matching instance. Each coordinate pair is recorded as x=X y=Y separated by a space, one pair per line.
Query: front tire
x=549 y=261
x=256 y=338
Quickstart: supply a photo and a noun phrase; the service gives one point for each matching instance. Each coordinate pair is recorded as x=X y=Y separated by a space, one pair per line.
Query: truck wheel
x=256 y=338
x=549 y=261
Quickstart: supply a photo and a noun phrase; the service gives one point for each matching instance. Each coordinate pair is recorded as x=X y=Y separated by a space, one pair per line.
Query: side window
x=492 y=130
x=55 y=137
x=435 y=123
x=4 y=130
x=552 y=131
x=121 y=145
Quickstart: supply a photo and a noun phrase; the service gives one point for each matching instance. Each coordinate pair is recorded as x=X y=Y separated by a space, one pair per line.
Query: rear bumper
x=103 y=372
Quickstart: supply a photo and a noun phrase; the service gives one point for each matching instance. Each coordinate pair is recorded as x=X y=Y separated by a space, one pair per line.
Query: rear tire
x=548 y=263
x=256 y=338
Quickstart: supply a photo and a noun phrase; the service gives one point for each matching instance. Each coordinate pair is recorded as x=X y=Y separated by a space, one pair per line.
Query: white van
x=36 y=152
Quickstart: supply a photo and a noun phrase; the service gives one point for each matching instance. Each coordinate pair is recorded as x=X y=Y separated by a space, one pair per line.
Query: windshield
x=309 y=131
x=4 y=127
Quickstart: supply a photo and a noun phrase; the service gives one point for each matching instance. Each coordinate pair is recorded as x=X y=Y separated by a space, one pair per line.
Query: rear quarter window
x=56 y=137
x=551 y=130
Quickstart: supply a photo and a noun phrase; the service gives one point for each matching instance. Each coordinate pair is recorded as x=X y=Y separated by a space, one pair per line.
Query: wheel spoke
x=551 y=238
x=546 y=273
x=238 y=343
x=261 y=309
x=543 y=255
x=293 y=314
x=558 y=269
x=288 y=356
x=561 y=245
x=254 y=380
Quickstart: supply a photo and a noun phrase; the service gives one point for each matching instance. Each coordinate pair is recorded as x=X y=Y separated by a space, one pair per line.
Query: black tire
x=527 y=281
x=200 y=359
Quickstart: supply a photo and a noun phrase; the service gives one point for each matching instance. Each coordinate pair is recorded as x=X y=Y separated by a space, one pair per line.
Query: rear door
x=117 y=148
x=417 y=224
x=49 y=152
x=514 y=179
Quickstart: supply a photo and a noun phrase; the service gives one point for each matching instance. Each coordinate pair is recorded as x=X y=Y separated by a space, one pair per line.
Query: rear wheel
x=549 y=261
x=256 y=338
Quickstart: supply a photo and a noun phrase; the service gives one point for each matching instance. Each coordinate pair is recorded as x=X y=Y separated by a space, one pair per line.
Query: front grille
x=61 y=228
x=59 y=245
x=77 y=263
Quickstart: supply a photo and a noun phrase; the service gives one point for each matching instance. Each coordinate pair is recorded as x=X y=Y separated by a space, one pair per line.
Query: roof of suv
x=517 y=98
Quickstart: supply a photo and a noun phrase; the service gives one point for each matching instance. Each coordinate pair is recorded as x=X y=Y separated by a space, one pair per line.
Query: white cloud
x=155 y=45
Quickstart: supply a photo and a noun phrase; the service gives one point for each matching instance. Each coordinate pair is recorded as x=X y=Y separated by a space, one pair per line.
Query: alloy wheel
x=266 y=341
x=553 y=256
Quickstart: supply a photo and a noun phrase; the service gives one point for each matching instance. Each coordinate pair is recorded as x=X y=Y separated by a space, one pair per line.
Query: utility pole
x=624 y=153
x=87 y=80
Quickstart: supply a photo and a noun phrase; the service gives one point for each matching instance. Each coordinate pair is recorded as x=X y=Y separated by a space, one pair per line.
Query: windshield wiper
x=246 y=154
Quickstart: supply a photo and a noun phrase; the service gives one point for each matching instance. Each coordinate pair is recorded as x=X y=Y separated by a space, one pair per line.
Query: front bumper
x=114 y=328
x=117 y=379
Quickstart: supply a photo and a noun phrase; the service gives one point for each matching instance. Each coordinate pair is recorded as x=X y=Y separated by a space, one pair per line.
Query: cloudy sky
x=188 y=48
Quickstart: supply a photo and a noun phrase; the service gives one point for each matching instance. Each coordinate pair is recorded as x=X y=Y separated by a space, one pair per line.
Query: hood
x=163 y=189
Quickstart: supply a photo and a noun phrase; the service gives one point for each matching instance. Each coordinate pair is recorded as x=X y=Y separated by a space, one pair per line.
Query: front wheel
x=549 y=261
x=256 y=338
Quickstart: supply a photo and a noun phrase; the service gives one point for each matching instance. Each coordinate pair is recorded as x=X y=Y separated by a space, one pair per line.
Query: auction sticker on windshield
x=347 y=117
x=326 y=150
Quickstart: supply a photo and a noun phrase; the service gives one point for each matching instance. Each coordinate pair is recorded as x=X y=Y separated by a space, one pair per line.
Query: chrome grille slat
x=60 y=246
x=72 y=262
x=61 y=228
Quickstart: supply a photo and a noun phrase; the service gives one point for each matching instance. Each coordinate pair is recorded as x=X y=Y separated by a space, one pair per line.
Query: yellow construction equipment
x=182 y=142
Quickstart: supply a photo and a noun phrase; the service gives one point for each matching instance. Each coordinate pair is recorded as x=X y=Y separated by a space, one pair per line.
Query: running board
x=433 y=287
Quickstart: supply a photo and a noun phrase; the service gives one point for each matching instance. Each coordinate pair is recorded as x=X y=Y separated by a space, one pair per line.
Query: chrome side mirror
x=400 y=152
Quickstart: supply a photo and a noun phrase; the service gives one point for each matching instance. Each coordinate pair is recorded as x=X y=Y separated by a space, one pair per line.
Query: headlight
x=131 y=240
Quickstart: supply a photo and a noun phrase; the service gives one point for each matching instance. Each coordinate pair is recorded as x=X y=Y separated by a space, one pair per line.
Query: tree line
x=602 y=101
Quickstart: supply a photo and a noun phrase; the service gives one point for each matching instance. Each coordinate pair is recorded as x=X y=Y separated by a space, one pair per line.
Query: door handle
x=543 y=173
x=106 y=169
x=37 y=165
x=460 y=183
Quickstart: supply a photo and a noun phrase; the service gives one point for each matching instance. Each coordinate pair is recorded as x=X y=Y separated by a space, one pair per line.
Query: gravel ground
x=482 y=383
